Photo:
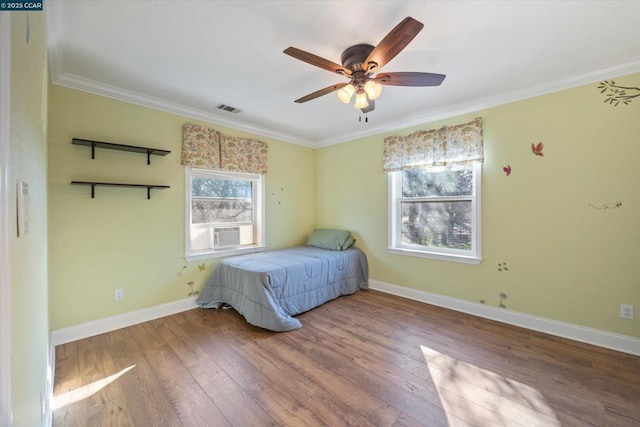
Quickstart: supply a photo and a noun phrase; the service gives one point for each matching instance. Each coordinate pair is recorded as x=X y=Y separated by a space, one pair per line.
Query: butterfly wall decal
x=537 y=149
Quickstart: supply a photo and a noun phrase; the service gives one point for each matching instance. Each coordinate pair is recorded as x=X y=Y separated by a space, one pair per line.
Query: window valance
x=207 y=148
x=449 y=145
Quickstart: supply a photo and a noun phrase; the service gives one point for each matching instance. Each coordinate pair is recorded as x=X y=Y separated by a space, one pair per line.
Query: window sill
x=224 y=253
x=466 y=259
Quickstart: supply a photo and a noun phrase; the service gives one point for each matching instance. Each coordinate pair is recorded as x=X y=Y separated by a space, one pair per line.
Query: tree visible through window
x=435 y=211
x=224 y=213
x=221 y=200
x=428 y=217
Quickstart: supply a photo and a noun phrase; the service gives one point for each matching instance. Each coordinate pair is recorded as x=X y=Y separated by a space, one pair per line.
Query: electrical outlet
x=119 y=294
x=626 y=311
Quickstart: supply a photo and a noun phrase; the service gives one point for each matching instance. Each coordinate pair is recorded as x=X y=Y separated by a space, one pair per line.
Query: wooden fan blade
x=370 y=107
x=312 y=59
x=410 y=79
x=392 y=44
x=321 y=92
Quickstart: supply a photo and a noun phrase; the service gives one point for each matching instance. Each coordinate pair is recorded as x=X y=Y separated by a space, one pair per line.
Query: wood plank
x=274 y=397
x=144 y=395
x=67 y=375
x=409 y=390
x=180 y=341
x=232 y=401
x=189 y=401
x=360 y=400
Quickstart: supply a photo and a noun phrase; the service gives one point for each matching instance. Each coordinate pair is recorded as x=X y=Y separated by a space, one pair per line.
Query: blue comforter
x=269 y=288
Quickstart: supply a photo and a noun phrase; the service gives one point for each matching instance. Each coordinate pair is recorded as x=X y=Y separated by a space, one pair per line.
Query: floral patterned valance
x=207 y=148
x=243 y=155
x=200 y=147
x=459 y=144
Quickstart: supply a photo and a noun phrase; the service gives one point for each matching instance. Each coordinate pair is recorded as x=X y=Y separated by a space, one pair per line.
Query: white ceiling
x=187 y=57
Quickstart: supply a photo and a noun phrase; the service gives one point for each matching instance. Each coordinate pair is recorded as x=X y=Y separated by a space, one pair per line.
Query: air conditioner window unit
x=226 y=237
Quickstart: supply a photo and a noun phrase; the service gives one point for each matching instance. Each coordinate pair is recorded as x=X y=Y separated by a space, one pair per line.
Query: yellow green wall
x=567 y=260
x=120 y=239
x=28 y=163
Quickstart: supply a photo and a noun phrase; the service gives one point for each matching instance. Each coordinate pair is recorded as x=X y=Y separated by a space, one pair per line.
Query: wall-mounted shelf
x=120 y=147
x=93 y=185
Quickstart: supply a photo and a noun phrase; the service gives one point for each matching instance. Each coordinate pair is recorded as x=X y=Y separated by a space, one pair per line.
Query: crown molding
x=61 y=78
x=490 y=102
x=91 y=86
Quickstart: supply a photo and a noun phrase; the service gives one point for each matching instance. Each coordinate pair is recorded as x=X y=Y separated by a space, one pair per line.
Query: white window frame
x=259 y=214
x=396 y=246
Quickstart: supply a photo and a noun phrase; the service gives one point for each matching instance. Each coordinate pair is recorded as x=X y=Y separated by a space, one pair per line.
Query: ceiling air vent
x=228 y=108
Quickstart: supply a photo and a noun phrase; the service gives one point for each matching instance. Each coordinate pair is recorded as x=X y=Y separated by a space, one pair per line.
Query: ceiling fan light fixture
x=361 y=100
x=361 y=61
x=346 y=92
x=373 y=89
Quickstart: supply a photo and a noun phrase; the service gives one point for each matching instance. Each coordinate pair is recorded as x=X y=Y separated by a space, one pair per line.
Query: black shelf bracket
x=93 y=185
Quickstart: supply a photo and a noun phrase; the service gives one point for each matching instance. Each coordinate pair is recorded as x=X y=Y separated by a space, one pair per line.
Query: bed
x=269 y=288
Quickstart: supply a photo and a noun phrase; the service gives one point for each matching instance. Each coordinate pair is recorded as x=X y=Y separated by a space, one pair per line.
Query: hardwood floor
x=368 y=359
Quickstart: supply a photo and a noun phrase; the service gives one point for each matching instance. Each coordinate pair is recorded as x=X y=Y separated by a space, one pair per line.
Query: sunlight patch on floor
x=482 y=397
x=75 y=395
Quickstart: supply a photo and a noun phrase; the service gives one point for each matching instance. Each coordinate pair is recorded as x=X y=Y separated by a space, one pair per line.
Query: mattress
x=269 y=288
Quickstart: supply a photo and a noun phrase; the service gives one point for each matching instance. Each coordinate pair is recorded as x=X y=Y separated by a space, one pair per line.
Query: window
x=435 y=212
x=224 y=213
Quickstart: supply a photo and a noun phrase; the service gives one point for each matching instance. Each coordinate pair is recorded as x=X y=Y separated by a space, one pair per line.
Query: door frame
x=5 y=215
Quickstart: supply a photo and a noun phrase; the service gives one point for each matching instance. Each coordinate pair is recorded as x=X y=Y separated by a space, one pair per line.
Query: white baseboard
x=623 y=343
x=96 y=327
x=597 y=337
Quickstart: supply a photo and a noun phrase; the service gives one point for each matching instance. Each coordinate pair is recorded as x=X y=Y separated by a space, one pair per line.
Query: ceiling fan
x=361 y=61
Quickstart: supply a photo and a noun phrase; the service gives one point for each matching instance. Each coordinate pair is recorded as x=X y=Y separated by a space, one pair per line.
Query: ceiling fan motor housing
x=354 y=56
